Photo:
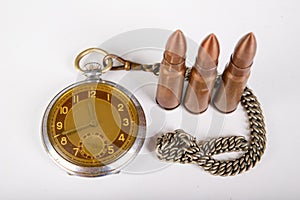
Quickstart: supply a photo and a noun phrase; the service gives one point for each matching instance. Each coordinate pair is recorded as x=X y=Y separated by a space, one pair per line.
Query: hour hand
x=92 y=114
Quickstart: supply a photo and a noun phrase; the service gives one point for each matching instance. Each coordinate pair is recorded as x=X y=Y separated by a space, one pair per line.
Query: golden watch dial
x=92 y=124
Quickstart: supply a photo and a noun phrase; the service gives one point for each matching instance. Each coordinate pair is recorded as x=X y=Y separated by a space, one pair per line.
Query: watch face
x=93 y=125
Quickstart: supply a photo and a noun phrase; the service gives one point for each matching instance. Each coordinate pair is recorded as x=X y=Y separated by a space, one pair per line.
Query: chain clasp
x=129 y=65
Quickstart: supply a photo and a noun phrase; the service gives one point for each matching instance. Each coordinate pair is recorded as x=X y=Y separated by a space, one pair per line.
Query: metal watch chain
x=181 y=147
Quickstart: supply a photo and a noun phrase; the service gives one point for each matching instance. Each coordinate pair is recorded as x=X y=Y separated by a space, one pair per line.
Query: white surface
x=38 y=43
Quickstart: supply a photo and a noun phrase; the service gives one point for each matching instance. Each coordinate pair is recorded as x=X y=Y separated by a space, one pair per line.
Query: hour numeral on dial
x=76 y=150
x=63 y=141
x=64 y=110
x=108 y=97
x=120 y=107
x=75 y=99
x=111 y=150
x=121 y=137
x=92 y=94
x=59 y=125
x=125 y=122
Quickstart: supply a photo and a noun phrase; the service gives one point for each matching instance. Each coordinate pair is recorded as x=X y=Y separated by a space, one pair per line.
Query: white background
x=38 y=43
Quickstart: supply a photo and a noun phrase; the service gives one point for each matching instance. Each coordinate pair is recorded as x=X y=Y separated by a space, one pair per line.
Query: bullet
x=203 y=76
x=236 y=74
x=172 y=71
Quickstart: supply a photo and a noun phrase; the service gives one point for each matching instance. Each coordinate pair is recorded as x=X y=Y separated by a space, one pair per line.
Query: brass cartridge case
x=235 y=75
x=203 y=76
x=172 y=72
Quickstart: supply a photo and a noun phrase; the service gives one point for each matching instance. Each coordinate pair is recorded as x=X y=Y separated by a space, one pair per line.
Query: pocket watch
x=93 y=127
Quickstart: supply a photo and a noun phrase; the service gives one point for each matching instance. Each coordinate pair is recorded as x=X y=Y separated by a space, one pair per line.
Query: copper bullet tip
x=244 y=51
x=208 y=53
x=176 y=44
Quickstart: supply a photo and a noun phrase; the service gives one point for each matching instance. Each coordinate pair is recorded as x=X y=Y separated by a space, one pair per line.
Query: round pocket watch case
x=93 y=128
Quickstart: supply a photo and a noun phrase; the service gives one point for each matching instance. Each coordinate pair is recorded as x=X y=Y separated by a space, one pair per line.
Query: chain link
x=154 y=68
x=129 y=65
x=181 y=147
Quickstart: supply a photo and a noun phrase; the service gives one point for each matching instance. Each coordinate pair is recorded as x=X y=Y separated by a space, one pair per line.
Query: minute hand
x=92 y=113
